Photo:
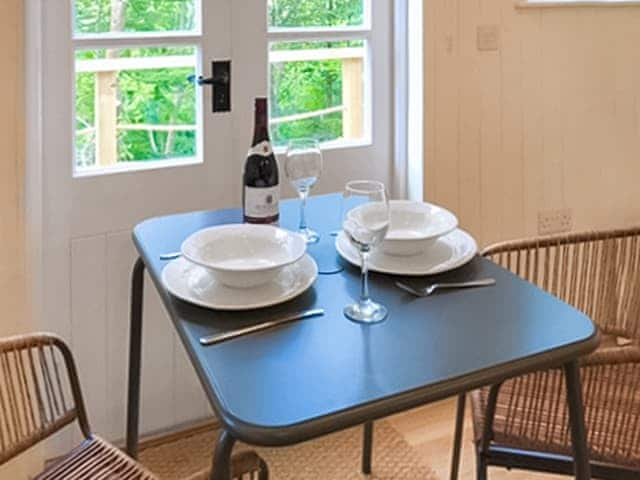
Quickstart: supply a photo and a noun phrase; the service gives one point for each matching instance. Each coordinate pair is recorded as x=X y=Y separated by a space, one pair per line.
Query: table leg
x=457 y=441
x=221 y=468
x=367 y=447
x=135 y=353
x=576 y=416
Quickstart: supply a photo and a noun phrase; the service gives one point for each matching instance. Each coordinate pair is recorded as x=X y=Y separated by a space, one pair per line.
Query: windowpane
x=113 y=16
x=317 y=90
x=135 y=105
x=316 y=13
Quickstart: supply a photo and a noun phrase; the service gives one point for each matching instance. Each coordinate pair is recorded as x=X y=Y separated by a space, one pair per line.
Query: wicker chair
x=40 y=394
x=523 y=423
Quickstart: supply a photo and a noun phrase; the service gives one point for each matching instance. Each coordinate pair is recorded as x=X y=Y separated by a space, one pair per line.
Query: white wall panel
x=89 y=323
x=120 y=258
x=171 y=394
x=548 y=121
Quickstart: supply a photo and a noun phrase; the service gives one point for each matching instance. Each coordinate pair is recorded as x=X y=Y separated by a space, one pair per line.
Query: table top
x=321 y=375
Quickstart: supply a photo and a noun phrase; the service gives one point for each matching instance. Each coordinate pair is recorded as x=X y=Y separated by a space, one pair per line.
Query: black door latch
x=220 y=80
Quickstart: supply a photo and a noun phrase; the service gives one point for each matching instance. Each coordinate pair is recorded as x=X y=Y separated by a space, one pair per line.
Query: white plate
x=195 y=284
x=448 y=253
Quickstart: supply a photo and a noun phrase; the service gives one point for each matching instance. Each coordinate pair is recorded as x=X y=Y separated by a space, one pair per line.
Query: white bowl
x=415 y=227
x=244 y=256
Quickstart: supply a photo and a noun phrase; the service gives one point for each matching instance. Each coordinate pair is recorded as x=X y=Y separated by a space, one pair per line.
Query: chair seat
x=96 y=459
x=532 y=414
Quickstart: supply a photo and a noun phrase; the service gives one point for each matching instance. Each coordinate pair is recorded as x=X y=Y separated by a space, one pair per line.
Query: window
x=319 y=80
x=134 y=103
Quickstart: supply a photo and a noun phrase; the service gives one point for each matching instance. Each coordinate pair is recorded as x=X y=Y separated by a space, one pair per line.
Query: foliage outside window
x=308 y=92
x=156 y=114
x=149 y=106
x=315 y=13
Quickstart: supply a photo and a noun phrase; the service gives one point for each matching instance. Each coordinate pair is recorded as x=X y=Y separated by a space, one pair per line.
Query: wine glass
x=303 y=166
x=365 y=207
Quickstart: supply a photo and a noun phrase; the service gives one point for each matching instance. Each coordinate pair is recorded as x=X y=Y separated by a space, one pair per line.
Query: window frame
x=364 y=33
x=125 y=40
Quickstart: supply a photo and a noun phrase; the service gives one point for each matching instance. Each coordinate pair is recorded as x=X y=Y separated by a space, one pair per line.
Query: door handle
x=220 y=81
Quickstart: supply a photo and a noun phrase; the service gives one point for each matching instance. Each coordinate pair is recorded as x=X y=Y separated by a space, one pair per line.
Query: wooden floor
x=430 y=431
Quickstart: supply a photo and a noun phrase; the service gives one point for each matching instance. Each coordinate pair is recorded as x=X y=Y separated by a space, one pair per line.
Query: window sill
x=132 y=167
x=575 y=3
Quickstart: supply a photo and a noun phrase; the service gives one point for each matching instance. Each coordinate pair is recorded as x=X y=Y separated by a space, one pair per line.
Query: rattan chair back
x=598 y=273
x=39 y=392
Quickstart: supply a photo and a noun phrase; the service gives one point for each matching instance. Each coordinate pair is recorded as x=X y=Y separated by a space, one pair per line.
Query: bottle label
x=262 y=149
x=261 y=202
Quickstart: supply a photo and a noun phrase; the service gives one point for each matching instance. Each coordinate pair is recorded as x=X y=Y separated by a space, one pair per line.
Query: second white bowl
x=243 y=255
x=416 y=226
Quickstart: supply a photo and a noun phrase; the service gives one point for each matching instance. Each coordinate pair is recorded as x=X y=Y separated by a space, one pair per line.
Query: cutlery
x=170 y=256
x=429 y=290
x=223 y=337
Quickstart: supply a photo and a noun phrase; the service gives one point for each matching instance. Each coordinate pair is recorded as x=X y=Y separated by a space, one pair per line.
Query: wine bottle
x=261 y=182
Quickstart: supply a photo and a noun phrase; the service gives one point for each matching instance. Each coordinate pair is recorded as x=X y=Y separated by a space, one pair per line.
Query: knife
x=241 y=332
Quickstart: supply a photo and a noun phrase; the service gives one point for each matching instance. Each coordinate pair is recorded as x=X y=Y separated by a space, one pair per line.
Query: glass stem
x=303 y=206
x=364 y=293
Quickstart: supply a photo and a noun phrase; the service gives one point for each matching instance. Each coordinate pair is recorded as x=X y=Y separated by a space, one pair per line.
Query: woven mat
x=335 y=457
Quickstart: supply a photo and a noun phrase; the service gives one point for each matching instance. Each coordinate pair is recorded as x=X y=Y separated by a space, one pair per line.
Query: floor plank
x=430 y=431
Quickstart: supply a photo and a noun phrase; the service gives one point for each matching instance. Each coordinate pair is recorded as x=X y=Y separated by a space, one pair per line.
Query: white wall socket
x=555 y=221
x=488 y=38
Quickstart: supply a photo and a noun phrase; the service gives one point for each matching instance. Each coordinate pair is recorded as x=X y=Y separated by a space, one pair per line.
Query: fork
x=431 y=289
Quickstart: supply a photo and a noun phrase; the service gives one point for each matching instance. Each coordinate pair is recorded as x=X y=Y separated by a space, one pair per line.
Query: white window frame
x=362 y=33
x=121 y=40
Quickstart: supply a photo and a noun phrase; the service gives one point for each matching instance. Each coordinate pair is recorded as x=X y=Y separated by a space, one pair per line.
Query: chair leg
x=481 y=466
x=367 y=447
x=264 y=471
x=457 y=441
x=576 y=419
x=221 y=469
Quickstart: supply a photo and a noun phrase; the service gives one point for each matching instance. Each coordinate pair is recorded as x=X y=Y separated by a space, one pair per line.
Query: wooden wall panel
x=548 y=121
x=469 y=111
x=12 y=267
x=429 y=11
x=13 y=317
x=490 y=91
x=532 y=122
x=511 y=121
x=446 y=127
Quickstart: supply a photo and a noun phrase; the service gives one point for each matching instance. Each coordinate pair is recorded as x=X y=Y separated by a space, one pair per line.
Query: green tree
x=315 y=13
x=299 y=87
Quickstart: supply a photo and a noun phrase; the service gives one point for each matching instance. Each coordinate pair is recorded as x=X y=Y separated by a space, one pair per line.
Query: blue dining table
x=321 y=375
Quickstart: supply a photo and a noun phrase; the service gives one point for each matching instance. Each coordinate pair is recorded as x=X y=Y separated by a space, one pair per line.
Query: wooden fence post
x=352 y=97
x=106 y=117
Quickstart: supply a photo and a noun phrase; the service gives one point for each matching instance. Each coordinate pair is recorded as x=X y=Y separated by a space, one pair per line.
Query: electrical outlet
x=555 y=221
x=488 y=38
x=448 y=40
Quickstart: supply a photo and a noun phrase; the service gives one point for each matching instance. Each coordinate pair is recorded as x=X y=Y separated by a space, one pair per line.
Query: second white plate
x=448 y=253
x=197 y=285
